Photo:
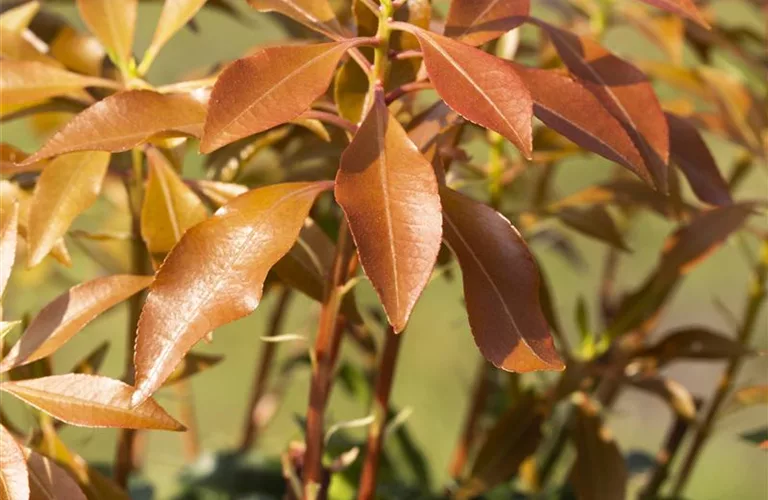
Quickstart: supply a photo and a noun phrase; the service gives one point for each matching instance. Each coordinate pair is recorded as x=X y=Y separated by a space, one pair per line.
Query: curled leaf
x=475 y=22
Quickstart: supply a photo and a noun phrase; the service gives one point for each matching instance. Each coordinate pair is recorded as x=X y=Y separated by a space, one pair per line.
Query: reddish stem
x=405 y=89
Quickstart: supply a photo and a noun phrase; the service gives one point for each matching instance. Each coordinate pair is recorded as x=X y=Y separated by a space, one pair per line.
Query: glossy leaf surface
x=314 y=14
x=501 y=286
x=91 y=401
x=14 y=481
x=478 y=21
x=388 y=192
x=113 y=22
x=48 y=480
x=66 y=315
x=215 y=275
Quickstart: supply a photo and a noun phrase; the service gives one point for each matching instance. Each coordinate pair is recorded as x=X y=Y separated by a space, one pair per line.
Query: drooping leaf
x=192 y=364
x=9 y=222
x=14 y=480
x=600 y=471
x=125 y=120
x=48 y=480
x=478 y=21
x=215 y=275
x=60 y=320
x=566 y=106
x=595 y=222
x=685 y=8
x=482 y=88
x=388 y=192
x=674 y=393
x=314 y=14
x=271 y=87
x=170 y=207
x=690 y=153
x=175 y=14
x=113 y=22
x=91 y=401
x=694 y=343
x=67 y=187
x=501 y=286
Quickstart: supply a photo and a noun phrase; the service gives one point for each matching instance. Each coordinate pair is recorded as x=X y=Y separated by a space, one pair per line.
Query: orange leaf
x=48 y=480
x=14 y=479
x=9 y=222
x=215 y=275
x=501 y=286
x=125 y=120
x=113 y=22
x=91 y=401
x=475 y=22
x=317 y=15
x=388 y=191
x=60 y=320
x=271 y=87
x=685 y=8
x=175 y=14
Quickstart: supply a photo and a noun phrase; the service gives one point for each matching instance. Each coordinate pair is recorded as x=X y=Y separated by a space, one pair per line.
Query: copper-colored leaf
x=690 y=153
x=113 y=22
x=170 y=206
x=14 y=480
x=91 y=401
x=9 y=222
x=694 y=343
x=191 y=364
x=314 y=14
x=599 y=472
x=66 y=188
x=175 y=14
x=594 y=221
x=685 y=8
x=566 y=106
x=10 y=156
x=482 y=88
x=48 y=480
x=60 y=320
x=125 y=120
x=478 y=21
x=675 y=394
x=501 y=286
x=215 y=275
x=273 y=86
x=388 y=192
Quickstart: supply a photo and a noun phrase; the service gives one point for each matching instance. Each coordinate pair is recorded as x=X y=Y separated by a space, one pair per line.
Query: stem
x=757 y=293
x=405 y=89
x=190 y=438
x=331 y=118
x=383 y=390
x=269 y=350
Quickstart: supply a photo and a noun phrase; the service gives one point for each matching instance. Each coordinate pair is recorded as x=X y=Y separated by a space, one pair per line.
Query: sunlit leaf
x=685 y=8
x=175 y=14
x=170 y=206
x=694 y=343
x=125 y=120
x=17 y=19
x=91 y=401
x=215 y=275
x=675 y=394
x=78 y=51
x=476 y=22
x=9 y=222
x=14 y=480
x=66 y=315
x=48 y=480
x=271 y=87
x=67 y=187
x=220 y=193
x=314 y=14
x=388 y=192
x=192 y=364
x=501 y=286
x=113 y=22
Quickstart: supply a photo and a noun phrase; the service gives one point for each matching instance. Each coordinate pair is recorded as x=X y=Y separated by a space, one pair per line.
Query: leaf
x=402 y=71
x=694 y=343
x=594 y=221
x=78 y=51
x=14 y=480
x=113 y=22
x=306 y=265
x=192 y=364
x=685 y=8
x=170 y=207
x=220 y=193
x=690 y=153
x=91 y=364
x=67 y=187
x=17 y=19
x=757 y=436
x=482 y=88
x=66 y=315
x=123 y=121
x=91 y=401
x=9 y=222
x=599 y=471
x=675 y=394
x=350 y=89
x=624 y=91
x=566 y=106
x=271 y=87
x=745 y=397
x=388 y=192
x=48 y=480
x=215 y=275
x=475 y=22
x=314 y=14
x=6 y=327
x=175 y=14
x=501 y=286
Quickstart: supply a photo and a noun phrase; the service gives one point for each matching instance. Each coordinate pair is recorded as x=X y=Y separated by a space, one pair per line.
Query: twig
x=331 y=118
x=405 y=89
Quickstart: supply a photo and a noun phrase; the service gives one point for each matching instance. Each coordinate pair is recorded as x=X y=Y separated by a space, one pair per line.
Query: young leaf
x=170 y=206
x=175 y=14
x=14 y=479
x=476 y=22
x=66 y=188
x=388 y=192
x=48 y=480
x=501 y=286
x=599 y=472
x=482 y=88
x=60 y=320
x=685 y=8
x=314 y=14
x=567 y=107
x=215 y=275
x=113 y=22
x=271 y=87
x=690 y=153
x=125 y=120
x=9 y=222
x=91 y=401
